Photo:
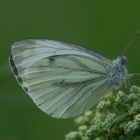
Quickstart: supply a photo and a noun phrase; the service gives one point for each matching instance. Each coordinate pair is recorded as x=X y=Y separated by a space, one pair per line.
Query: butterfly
x=65 y=80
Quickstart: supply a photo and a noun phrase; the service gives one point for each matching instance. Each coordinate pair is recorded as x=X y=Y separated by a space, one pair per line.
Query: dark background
x=104 y=26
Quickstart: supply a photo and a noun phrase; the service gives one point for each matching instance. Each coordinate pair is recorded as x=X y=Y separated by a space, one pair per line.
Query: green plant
x=114 y=118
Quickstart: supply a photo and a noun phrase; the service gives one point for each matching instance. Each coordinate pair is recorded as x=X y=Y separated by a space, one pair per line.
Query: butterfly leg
x=116 y=93
x=133 y=74
x=127 y=84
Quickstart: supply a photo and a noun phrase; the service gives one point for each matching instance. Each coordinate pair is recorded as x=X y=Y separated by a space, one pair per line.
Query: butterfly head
x=123 y=60
x=120 y=61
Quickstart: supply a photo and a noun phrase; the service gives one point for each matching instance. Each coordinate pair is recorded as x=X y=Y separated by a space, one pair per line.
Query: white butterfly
x=65 y=80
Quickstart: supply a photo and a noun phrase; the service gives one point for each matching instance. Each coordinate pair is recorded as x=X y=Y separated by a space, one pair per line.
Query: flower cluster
x=116 y=117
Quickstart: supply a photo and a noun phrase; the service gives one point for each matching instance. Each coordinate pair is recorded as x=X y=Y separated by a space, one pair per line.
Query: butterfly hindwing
x=62 y=80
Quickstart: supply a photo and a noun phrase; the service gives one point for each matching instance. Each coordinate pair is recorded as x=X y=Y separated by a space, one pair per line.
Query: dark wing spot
x=51 y=59
x=26 y=89
x=12 y=61
x=14 y=68
x=61 y=82
x=19 y=79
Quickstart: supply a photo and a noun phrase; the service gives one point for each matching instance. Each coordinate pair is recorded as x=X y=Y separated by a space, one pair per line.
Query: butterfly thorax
x=118 y=73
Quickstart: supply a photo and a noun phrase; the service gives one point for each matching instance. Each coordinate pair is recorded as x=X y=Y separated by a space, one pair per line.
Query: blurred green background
x=104 y=26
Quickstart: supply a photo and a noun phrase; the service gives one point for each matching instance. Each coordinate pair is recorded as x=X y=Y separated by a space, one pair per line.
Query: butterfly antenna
x=133 y=74
x=131 y=42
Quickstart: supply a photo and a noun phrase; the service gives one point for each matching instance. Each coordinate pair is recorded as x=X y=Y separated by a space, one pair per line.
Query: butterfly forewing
x=63 y=80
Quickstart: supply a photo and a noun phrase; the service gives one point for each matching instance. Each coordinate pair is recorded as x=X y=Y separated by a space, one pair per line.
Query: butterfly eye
x=124 y=60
